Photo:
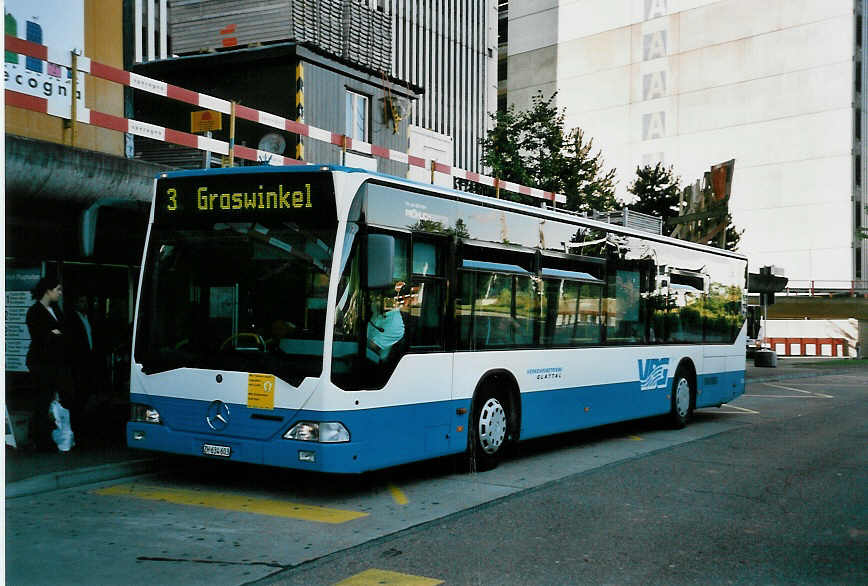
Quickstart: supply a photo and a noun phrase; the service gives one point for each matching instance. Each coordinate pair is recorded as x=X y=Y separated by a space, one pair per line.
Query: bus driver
x=385 y=329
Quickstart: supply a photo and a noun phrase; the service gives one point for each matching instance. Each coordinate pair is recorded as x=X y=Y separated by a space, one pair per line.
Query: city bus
x=336 y=320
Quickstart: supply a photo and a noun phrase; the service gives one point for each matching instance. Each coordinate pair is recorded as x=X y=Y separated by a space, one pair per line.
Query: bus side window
x=423 y=300
x=686 y=305
x=571 y=313
x=622 y=308
x=464 y=309
x=525 y=311
x=630 y=302
x=492 y=303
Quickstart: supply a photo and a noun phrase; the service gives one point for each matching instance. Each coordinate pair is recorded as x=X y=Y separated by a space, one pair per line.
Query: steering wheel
x=251 y=336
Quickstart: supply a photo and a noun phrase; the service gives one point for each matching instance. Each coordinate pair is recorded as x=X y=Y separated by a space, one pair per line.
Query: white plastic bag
x=62 y=434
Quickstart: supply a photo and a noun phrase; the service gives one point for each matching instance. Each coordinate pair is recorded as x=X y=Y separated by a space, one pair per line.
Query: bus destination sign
x=303 y=197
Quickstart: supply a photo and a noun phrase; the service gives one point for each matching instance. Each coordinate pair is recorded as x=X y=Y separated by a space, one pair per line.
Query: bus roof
x=541 y=212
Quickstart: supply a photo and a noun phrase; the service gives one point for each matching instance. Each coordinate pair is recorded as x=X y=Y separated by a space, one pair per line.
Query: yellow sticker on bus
x=260 y=391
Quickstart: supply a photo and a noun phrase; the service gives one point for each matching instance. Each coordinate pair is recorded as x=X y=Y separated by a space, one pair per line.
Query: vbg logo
x=653 y=373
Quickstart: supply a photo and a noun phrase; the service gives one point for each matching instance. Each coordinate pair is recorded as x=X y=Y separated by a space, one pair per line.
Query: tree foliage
x=534 y=148
x=657 y=193
x=657 y=190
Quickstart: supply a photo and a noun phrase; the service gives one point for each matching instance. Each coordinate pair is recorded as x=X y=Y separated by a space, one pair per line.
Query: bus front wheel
x=489 y=432
x=682 y=399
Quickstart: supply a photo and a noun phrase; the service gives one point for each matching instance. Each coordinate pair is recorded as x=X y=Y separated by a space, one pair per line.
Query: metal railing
x=825 y=288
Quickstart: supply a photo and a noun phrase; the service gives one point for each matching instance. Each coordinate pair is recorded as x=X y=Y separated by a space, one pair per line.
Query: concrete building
x=775 y=84
x=437 y=61
x=450 y=50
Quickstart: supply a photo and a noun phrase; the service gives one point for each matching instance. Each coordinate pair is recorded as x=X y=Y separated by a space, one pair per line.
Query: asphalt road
x=783 y=500
x=771 y=489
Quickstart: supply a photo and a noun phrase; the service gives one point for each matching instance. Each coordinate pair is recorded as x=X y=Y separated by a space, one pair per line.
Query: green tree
x=657 y=193
x=733 y=234
x=534 y=148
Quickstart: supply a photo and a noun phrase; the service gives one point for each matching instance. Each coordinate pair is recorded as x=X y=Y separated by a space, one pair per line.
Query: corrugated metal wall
x=348 y=29
x=195 y=25
x=324 y=106
x=443 y=46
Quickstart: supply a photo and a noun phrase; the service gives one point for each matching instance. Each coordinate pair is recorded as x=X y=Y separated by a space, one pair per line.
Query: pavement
x=106 y=457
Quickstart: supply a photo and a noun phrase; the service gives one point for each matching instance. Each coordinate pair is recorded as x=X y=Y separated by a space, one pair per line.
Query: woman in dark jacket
x=45 y=358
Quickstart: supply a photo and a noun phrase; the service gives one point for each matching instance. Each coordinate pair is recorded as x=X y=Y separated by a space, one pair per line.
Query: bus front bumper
x=339 y=458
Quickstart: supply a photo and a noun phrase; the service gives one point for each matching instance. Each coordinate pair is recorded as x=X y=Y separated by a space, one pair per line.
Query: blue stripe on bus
x=390 y=436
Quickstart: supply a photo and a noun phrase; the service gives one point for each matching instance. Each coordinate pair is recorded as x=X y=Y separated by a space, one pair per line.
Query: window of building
x=858 y=263
x=357 y=118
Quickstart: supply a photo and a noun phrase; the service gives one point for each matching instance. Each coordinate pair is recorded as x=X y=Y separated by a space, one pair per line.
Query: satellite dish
x=273 y=143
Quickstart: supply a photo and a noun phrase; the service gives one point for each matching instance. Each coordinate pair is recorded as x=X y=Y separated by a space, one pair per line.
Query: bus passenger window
x=493 y=302
x=425 y=259
x=572 y=313
x=624 y=319
x=686 y=303
x=525 y=310
x=464 y=310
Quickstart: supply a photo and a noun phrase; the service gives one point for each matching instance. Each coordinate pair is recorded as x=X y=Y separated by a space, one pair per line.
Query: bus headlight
x=324 y=432
x=144 y=414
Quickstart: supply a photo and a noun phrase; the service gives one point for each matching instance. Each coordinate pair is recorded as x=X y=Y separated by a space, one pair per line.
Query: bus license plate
x=212 y=450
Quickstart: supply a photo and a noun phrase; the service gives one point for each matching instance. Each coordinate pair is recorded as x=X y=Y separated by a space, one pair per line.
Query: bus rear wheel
x=682 y=399
x=489 y=432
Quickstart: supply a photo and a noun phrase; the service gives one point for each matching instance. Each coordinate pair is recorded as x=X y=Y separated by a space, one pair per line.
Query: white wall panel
x=781 y=96
x=794 y=184
x=582 y=18
x=818 y=226
x=529 y=7
x=772 y=142
x=599 y=52
x=792 y=49
x=766 y=82
x=533 y=31
x=597 y=91
x=723 y=22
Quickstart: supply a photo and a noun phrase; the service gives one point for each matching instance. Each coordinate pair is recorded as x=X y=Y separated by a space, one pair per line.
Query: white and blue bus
x=330 y=319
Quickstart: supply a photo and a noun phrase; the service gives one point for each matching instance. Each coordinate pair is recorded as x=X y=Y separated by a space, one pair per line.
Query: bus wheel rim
x=682 y=397
x=492 y=426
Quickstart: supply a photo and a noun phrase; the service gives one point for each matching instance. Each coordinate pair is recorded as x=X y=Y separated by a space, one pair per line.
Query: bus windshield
x=242 y=296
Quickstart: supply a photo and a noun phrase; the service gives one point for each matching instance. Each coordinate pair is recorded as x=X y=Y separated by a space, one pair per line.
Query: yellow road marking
x=232 y=502
x=374 y=577
x=635 y=438
x=398 y=495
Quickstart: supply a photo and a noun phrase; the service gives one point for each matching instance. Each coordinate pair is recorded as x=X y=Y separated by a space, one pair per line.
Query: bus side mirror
x=381 y=260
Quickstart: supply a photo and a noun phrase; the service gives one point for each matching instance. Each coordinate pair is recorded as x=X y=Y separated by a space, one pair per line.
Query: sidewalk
x=89 y=461
x=107 y=458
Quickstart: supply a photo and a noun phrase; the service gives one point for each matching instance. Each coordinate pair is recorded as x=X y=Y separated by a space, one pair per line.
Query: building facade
x=76 y=206
x=776 y=85
x=449 y=49
x=436 y=61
